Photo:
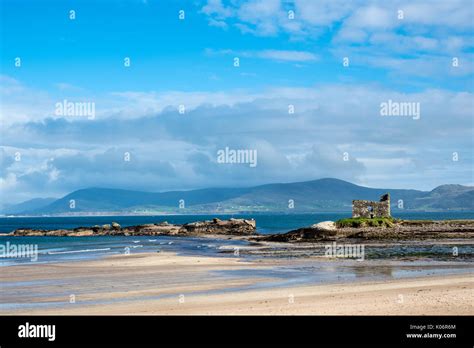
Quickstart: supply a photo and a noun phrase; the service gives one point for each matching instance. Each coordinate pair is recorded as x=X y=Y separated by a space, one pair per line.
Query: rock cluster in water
x=323 y=231
x=214 y=226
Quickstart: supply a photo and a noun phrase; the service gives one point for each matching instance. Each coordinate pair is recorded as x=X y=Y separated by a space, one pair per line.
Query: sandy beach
x=167 y=283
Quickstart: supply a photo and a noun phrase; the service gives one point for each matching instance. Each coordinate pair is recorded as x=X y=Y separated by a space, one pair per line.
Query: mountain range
x=311 y=196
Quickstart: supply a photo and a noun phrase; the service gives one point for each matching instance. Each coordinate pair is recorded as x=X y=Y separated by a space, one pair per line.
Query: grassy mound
x=365 y=222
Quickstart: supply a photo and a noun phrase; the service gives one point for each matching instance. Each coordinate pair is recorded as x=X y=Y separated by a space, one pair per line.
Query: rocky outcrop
x=325 y=226
x=401 y=230
x=414 y=230
x=163 y=229
x=318 y=232
x=216 y=226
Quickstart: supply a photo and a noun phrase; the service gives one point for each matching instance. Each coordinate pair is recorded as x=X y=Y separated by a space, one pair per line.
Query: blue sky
x=402 y=56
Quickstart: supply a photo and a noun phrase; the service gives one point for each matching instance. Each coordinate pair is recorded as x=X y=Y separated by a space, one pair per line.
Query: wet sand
x=166 y=283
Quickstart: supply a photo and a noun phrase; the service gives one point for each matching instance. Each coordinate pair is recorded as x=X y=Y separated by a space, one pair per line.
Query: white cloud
x=22 y=104
x=216 y=8
x=271 y=15
x=173 y=151
x=323 y=12
x=276 y=55
x=292 y=56
x=217 y=23
x=456 y=14
x=372 y=17
x=8 y=182
x=438 y=29
x=64 y=86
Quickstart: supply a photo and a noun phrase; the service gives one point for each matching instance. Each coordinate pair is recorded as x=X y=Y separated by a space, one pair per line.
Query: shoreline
x=249 y=247
x=366 y=229
x=152 y=283
x=226 y=267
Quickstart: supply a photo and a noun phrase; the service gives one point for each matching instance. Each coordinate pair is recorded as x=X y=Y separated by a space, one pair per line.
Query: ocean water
x=54 y=249
x=58 y=249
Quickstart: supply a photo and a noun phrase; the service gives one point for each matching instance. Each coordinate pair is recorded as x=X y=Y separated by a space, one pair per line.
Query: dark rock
x=216 y=226
x=305 y=234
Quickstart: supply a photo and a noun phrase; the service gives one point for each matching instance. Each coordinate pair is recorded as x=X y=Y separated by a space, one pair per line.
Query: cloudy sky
x=333 y=62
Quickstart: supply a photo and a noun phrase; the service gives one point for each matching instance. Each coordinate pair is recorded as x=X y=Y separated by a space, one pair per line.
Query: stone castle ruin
x=372 y=209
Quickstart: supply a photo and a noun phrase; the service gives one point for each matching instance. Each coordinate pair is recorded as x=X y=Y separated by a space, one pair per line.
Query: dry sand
x=166 y=283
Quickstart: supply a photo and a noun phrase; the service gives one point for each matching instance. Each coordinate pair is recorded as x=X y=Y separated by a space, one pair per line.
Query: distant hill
x=317 y=195
x=30 y=205
x=447 y=197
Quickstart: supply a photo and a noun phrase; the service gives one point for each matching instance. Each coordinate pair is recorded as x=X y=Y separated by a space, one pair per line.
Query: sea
x=61 y=249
